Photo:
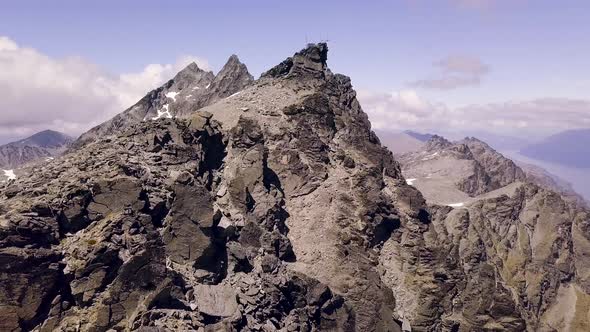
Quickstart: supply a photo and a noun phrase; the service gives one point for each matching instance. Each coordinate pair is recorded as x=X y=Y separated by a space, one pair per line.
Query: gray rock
x=290 y=216
x=216 y=300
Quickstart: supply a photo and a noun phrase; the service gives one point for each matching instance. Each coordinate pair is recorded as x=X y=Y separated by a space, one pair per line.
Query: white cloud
x=455 y=71
x=69 y=94
x=538 y=117
x=400 y=110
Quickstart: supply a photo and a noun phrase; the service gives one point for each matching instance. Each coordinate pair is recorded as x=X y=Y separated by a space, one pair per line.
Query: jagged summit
x=232 y=77
x=233 y=63
x=233 y=59
x=182 y=222
x=193 y=67
x=277 y=209
x=311 y=60
x=437 y=142
x=474 y=140
x=191 y=89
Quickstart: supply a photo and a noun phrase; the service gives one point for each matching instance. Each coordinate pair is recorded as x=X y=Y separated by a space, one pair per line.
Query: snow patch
x=235 y=94
x=430 y=156
x=410 y=181
x=172 y=95
x=456 y=204
x=196 y=88
x=9 y=174
x=165 y=113
x=208 y=85
x=49 y=159
x=187 y=97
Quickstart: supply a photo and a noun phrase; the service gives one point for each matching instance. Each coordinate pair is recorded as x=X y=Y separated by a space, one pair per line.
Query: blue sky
x=530 y=49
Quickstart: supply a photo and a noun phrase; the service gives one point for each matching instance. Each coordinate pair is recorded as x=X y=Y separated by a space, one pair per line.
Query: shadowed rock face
x=275 y=209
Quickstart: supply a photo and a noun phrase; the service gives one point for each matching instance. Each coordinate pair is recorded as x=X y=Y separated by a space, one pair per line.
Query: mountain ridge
x=277 y=208
x=194 y=88
x=44 y=144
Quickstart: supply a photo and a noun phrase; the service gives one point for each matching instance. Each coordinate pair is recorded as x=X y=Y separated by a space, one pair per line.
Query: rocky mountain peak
x=191 y=76
x=42 y=145
x=191 y=89
x=470 y=140
x=310 y=61
x=277 y=209
x=233 y=59
x=233 y=77
x=47 y=139
x=437 y=142
x=233 y=64
x=191 y=67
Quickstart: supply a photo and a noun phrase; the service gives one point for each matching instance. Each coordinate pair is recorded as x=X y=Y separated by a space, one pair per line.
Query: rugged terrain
x=276 y=208
x=524 y=227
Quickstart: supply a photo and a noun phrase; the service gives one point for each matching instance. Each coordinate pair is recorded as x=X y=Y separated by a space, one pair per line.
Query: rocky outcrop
x=500 y=170
x=436 y=143
x=191 y=89
x=182 y=224
x=130 y=235
x=502 y=259
x=276 y=209
x=505 y=263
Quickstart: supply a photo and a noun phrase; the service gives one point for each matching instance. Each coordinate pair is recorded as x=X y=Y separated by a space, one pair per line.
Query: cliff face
x=503 y=263
x=276 y=208
x=505 y=253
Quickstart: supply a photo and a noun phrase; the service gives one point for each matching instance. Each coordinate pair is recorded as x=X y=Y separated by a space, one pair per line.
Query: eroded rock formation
x=276 y=209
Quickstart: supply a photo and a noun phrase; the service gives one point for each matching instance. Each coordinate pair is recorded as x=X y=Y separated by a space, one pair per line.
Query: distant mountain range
x=399 y=142
x=568 y=148
x=191 y=89
x=419 y=136
x=44 y=144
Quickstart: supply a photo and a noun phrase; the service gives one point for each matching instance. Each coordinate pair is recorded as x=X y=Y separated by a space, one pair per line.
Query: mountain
x=568 y=148
x=419 y=136
x=399 y=142
x=454 y=173
x=525 y=222
x=45 y=144
x=191 y=89
x=278 y=209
